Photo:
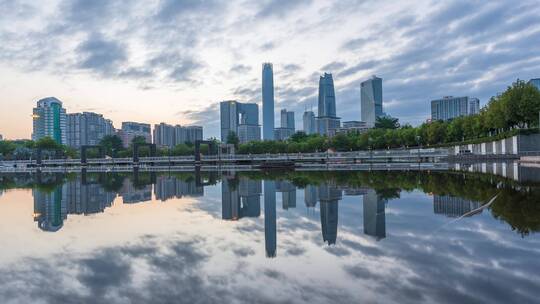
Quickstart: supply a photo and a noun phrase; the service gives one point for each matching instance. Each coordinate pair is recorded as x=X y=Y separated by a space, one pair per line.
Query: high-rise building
x=247 y=133
x=187 y=134
x=87 y=128
x=535 y=82
x=309 y=122
x=371 y=100
x=193 y=133
x=130 y=130
x=287 y=128
x=329 y=197
x=450 y=107
x=326 y=119
x=164 y=135
x=169 y=136
x=287 y=119
x=268 y=101
x=241 y=119
x=49 y=120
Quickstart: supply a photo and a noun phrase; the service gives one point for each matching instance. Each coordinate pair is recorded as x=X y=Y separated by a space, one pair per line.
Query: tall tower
x=268 y=101
x=371 y=100
x=327 y=96
x=327 y=120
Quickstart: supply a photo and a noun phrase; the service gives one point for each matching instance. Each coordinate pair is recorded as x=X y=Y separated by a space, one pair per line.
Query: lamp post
x=370 y=146
x=418 y=138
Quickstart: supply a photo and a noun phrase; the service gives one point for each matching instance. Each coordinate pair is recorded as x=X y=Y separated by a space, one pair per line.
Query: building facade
x=327 y=120
x=308 y=120
x=166 y=135
x=87 y=128
x=130 y=130
x=282 y=133
x=450 y=107
x=353 y=126
x=268 y=101
x=287 y=119
x=49 y=120
x=241 y=119
x=535 y=82
x=371 y=100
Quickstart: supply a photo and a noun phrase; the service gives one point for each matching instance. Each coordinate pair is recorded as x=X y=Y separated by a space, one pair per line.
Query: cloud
x=240 y=68
x=277 y=8
x=101 y=55
x=422 y=51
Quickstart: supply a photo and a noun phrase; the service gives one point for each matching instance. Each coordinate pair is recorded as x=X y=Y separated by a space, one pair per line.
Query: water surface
x=252 y=237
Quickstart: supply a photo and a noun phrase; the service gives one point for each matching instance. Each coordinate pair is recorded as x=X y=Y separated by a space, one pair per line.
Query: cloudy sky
x=174 y=60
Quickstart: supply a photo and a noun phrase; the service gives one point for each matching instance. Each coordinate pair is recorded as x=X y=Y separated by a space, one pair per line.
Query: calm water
x=320 y=237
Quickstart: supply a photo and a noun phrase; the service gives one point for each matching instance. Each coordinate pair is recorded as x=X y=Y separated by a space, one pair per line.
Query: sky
x=173 y=61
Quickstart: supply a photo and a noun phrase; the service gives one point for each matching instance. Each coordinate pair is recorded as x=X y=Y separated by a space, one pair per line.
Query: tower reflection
x=374 y=215
x=270 y=233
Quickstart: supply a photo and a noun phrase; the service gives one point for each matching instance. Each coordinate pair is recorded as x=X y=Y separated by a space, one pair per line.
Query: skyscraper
x=240 y=118
x=49 y=120
x=327 y=96
x=87 y=128
x=371 y=100
x=450 y=107
x=268 y=101
x=327 y=120
x=309 y=122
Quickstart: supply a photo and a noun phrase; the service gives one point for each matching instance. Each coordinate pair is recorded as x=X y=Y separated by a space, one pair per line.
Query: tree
x=298 y=136
x=47 y=143
x=386 y=122
x=6 y=148
x=138 y=140
x=111 y=144
x=232 y=138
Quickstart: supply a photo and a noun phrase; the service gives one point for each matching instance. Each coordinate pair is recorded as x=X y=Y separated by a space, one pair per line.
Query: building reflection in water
x=374 y=215
x=168 y=187
x=453 y=206
x=270 y=232
x=310 y=196
x=288 y=194
x=329 y=196
x=132 y=195
x=240 y=197
x=51 y=208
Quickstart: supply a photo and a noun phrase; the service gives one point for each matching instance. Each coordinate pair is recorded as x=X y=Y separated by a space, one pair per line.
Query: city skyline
x=84 y=56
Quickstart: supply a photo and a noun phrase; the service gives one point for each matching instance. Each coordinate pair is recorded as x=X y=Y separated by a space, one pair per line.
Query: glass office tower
x=371 y=100
x=268 y=101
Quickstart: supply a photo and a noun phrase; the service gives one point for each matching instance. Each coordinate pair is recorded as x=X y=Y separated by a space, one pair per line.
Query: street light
x=418 y=138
